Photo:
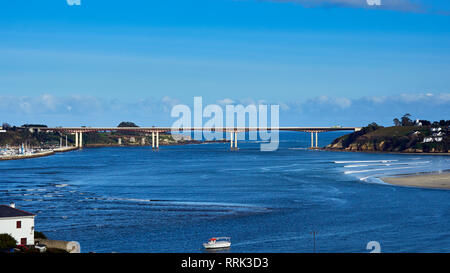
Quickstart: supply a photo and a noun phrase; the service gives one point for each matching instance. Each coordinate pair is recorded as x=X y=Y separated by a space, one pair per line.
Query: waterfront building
x=17 y=223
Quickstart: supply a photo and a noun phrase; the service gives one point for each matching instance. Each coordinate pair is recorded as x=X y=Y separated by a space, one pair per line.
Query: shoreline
x=432 y=180
x=380 y=152
x=18 y=157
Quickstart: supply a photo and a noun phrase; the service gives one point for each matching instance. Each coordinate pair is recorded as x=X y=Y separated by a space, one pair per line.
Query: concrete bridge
x=78 y=131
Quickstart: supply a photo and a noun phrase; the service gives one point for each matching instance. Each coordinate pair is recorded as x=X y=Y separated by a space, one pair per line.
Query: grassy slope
x=392 y=139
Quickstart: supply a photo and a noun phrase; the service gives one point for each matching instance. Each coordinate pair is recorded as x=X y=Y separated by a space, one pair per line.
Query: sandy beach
x=431 y=180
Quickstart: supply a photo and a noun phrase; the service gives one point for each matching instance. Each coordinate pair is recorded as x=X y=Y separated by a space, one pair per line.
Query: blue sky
x=325 y=62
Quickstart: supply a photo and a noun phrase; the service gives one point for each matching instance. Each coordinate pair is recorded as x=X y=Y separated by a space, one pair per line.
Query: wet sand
x=431 y=180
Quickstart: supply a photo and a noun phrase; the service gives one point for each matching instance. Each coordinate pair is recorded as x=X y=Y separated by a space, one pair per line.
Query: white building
x=17 y=223
x=432 y=139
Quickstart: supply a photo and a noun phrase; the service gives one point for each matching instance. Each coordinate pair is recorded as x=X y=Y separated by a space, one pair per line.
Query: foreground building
x=17 y=223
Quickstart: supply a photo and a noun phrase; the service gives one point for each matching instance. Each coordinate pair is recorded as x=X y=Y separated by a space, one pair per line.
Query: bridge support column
x=119 y=141
x=317 y=141
x=312 y=139
x=143 y=141
x=60 y=142
x=235 y=140
x=153 y=140
x=81 y=140
x=231 y=140
x=76 y=139
x=66 y=141
x=157 y=140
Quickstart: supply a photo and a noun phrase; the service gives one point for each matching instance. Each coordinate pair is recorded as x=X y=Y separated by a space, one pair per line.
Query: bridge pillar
x=60 y=142
x=76 y=139
x=157 y=140
x=235 y=140
x=119 y=141
x=312 y=139
x=153 y=140
x=81 y=140
x=317 y=134
x=143 y=141
x=231 y=140
x=66 y=141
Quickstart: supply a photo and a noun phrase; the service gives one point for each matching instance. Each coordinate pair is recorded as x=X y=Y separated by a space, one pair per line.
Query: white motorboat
x=218 y=242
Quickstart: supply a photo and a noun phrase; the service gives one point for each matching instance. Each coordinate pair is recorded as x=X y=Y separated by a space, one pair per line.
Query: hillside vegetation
x=393 y=139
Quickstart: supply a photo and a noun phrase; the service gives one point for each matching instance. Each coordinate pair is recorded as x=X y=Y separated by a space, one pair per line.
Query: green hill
x=395 y=139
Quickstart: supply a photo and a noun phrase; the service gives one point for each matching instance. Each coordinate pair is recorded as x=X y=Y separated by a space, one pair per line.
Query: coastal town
x=29 y=140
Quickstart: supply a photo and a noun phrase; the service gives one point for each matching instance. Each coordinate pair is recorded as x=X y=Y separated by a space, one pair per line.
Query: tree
x=406 y=120
x=7 y=241
x=6 y=126
x=425 y=122
x=397 y=122
x=39 y=235
x=127 y=124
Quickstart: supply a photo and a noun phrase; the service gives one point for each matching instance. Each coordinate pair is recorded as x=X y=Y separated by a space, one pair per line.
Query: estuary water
x=132 y=199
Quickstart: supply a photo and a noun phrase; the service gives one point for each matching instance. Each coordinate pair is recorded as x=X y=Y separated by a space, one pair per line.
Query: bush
x=7 y=241
x=39 y=235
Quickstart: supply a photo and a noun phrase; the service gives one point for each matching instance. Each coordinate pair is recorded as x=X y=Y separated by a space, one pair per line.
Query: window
x=19 y=224
x=23 y=241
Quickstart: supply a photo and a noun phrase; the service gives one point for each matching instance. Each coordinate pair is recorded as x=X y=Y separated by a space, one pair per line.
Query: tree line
x=406 y=120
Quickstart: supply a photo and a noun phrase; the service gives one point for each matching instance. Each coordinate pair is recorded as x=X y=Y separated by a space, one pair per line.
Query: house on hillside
x=17 y=223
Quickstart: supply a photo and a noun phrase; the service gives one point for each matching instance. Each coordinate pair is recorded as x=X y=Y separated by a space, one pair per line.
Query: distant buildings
x=17 y=223
x=432 y=139
x=436 y=136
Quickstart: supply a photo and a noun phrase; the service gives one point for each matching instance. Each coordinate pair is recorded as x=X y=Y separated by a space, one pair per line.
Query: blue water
x=136 y=200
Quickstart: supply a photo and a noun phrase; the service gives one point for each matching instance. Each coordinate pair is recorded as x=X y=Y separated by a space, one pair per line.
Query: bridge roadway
x=78 y=131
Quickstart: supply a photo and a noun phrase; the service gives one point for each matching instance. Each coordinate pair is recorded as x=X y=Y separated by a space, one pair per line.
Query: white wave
x=386 y=164
x=183 y=203
x=61 y=185
x=373 y=180
x=375 y=170
x=364 y=161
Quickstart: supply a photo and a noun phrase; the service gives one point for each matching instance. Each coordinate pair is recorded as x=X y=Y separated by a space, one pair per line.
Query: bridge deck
x=220 y=129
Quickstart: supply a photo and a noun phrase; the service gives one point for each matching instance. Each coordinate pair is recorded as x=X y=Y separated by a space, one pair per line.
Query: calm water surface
x=136 y=200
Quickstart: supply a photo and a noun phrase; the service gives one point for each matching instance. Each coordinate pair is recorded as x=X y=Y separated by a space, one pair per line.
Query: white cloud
x=322 y=110
x=225 y=101
x=73 y=2
x=341 y=103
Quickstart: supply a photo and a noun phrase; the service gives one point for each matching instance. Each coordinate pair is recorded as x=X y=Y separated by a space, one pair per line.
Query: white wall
x=8 y=226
